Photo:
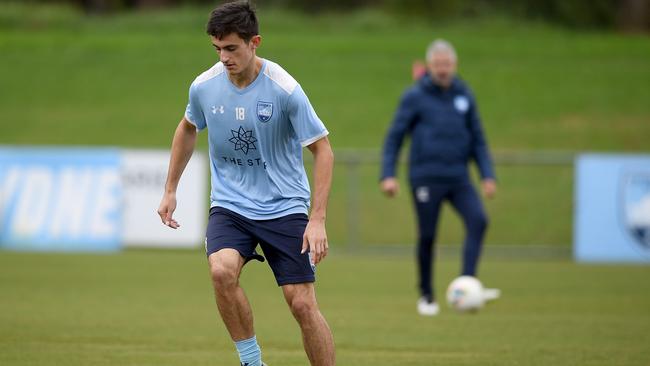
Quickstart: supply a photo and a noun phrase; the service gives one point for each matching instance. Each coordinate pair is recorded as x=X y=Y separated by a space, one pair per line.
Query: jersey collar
x=251 y=85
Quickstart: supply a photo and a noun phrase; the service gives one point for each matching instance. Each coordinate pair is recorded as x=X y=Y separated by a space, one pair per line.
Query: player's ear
x=256 y=40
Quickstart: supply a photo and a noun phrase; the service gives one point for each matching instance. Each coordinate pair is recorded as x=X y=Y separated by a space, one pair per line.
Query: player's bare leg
x=225 y=268
x=316 y=335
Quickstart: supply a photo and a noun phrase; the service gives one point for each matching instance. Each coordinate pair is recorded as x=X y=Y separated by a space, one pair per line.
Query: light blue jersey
x=256 y=136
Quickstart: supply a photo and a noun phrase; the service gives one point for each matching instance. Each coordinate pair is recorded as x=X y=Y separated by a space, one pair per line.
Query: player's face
x=236 y=54
x=442 y=68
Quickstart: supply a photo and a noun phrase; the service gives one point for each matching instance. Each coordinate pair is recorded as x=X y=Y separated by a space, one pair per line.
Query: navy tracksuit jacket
x=446 y=133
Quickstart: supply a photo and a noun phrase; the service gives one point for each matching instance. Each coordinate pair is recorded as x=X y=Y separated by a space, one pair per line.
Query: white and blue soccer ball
x=465 y=294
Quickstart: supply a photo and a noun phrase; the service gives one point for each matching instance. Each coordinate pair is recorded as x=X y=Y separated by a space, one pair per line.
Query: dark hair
x=233 y=17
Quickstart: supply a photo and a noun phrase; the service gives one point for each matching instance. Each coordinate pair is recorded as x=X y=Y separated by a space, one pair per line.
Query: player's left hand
x=315 y=240
x=489 y=187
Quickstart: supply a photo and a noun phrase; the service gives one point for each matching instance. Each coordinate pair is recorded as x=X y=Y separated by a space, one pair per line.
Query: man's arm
x=481 y=153
x=315 y=237
x=402 y=121
x=181 y=152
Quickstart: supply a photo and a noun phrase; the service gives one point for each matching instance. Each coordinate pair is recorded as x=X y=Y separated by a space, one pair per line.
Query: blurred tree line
x=623 y=14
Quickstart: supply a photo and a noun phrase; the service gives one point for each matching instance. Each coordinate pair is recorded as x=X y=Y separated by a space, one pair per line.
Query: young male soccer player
x=441 y=116
x=258 y=120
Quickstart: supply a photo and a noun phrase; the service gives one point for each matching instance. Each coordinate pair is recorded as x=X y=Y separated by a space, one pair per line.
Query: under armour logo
x=215 y=109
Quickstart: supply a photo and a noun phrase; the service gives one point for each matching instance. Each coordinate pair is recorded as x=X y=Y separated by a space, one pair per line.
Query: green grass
x=116 y=80
x=123 y=80
x=156 y=308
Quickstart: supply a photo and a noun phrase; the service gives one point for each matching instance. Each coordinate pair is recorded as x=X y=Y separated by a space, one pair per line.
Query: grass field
x=122 y=81
x=156 y=308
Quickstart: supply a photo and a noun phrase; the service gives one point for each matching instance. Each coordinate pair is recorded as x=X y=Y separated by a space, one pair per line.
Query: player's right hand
x=166 y=210
x=390 y=186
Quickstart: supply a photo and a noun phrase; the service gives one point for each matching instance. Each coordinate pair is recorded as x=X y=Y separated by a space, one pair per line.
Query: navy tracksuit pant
x=428 y=199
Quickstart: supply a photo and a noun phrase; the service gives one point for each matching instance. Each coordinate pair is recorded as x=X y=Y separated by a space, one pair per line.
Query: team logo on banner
x=635 y=202
x=264 y=111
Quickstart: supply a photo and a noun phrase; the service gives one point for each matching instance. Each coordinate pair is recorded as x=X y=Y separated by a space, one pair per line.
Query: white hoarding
x=143 y=181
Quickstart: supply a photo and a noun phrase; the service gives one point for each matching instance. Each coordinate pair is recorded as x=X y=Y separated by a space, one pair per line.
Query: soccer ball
x=465 y=294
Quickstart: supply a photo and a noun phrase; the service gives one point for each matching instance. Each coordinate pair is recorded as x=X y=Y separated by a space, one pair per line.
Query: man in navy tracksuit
x=440 y=114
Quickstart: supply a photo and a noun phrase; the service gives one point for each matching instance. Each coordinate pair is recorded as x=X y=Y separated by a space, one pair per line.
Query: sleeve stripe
x=187 y=118
x=314 y=139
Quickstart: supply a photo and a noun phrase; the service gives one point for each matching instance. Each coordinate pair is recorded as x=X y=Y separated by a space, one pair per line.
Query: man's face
x=442 y=68
x=235 y=53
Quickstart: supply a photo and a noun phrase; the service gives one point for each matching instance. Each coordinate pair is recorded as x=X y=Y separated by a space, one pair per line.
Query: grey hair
x=441 y=46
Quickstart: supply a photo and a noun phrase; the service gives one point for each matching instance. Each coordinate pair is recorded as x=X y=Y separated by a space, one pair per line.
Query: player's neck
x=248 y=75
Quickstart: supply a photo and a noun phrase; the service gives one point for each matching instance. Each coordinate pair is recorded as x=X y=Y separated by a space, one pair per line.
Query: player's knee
x=484 y=221
x=302 y=307
x=223 y=276
x=480 y=222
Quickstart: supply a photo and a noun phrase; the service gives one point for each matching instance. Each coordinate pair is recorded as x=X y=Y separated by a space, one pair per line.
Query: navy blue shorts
x=280 y=240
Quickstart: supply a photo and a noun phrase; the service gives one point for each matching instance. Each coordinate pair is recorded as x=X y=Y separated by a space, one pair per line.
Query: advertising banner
x=612 y=208
x=143 y=175
x=54 y=199
x=95 y=199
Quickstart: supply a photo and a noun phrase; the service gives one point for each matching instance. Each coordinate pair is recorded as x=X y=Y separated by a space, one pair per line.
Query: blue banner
x=612 y=208
x=60 y=199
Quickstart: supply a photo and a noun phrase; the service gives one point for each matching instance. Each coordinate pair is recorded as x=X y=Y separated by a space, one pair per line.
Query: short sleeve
x=308 y=127
x=193 y=112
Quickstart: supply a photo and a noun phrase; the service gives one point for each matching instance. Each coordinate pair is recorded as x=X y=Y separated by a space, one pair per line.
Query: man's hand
x=182 y=148
x=166 y=210
x=315 y=239
x=489 y=187
x=418 y=69
x=390 y=186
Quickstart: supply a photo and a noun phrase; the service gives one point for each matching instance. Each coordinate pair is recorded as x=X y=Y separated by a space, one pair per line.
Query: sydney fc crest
x=635 y=204
x=264 y=111
x=461 y=103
